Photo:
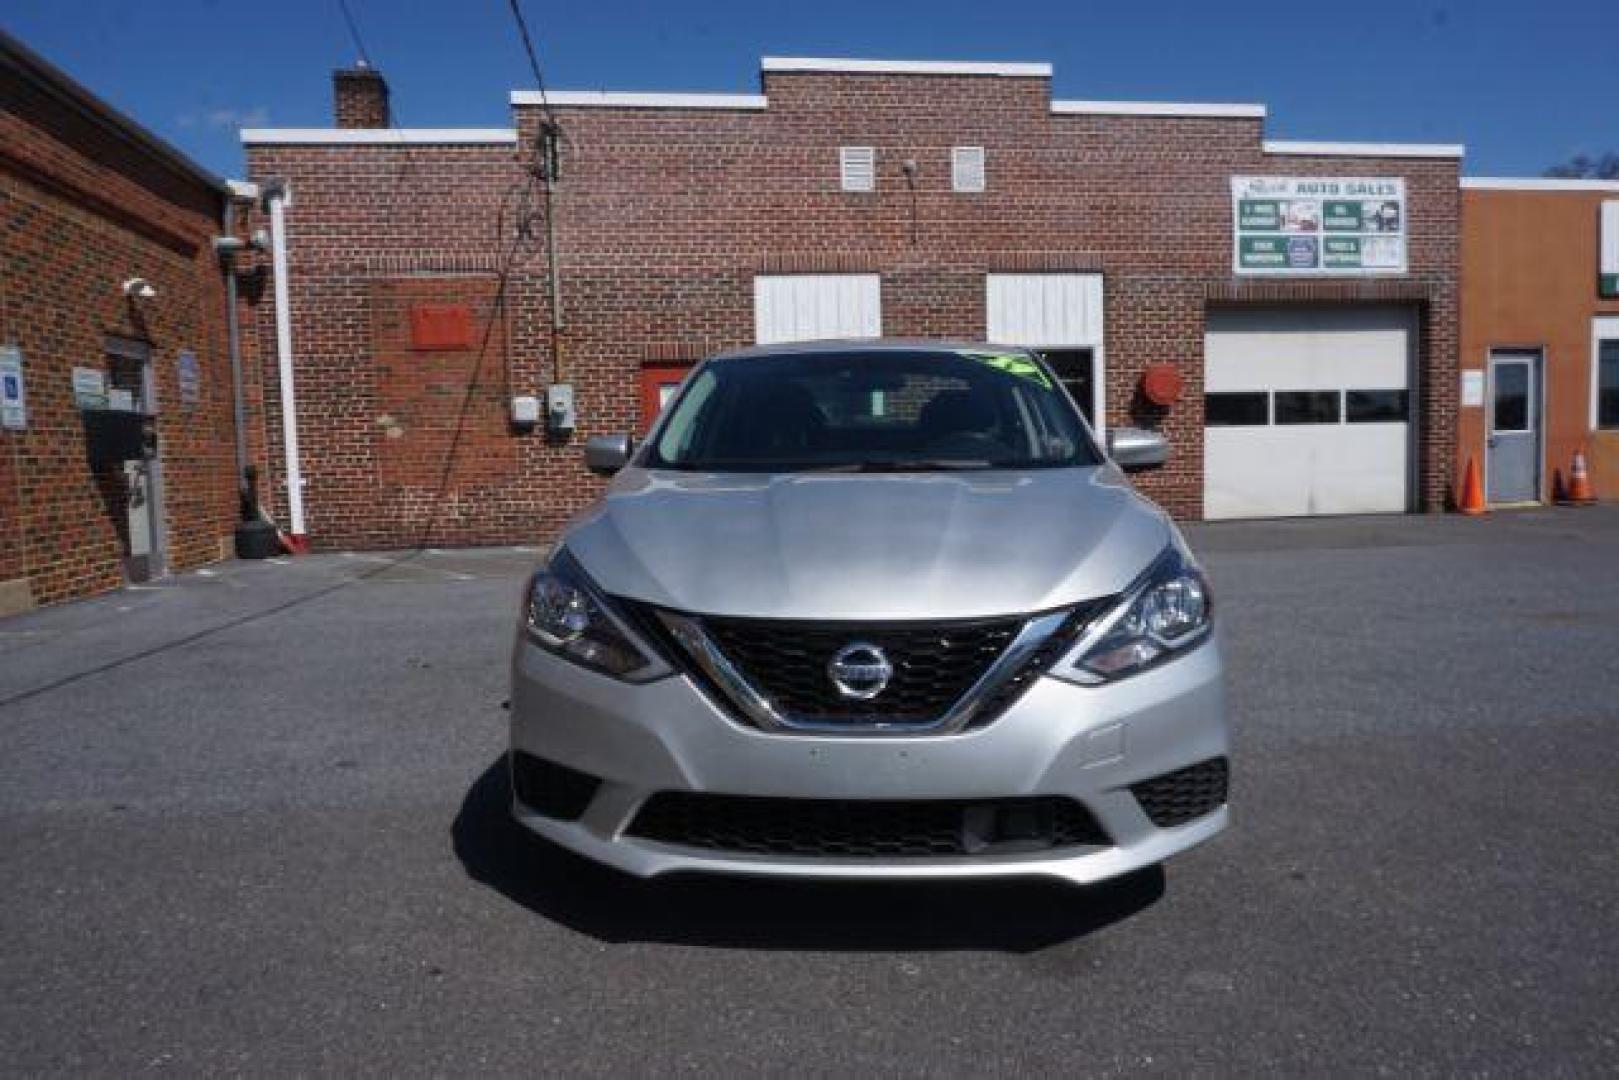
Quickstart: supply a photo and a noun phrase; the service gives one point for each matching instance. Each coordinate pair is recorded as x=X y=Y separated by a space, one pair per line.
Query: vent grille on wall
x=967 y=168
x=859 y=167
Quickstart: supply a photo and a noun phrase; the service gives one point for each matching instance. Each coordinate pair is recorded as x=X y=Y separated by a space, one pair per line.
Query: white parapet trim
x=1537 y=183
x=377 y=136
x=633 y=99
x=1365 y=149
x=835 y=65
x=1159 y=108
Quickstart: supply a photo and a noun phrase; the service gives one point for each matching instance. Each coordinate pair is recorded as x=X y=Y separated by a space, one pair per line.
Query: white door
x=1307 y=411
x=1060 y=315
x=1512 y=421
x=815 y=307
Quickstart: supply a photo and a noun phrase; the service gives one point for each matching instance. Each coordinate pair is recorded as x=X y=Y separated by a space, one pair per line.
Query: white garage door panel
x=1321 y=349
x=1305 y=470
x=1044 y=309
x=813 y=307
x=1297 y=470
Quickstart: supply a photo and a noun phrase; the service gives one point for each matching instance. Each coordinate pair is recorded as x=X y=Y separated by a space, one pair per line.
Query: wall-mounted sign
x=190 y=378
x=13 y=398
x=1472 y=389
x=1608 y=281
x=89 y=388
x=1317 y=225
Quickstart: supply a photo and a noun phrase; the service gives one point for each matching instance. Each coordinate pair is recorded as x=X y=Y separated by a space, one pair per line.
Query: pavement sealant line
x=206 y=632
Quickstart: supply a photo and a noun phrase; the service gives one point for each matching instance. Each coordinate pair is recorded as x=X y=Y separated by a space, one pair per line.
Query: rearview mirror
x=1133 y=448
x=606 y=454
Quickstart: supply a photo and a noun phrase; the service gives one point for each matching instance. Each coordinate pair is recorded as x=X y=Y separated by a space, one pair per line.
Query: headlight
x=1165 y=611
x=565 y=615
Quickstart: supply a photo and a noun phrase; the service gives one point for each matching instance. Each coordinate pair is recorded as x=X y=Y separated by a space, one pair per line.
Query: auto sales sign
x=1319 y=226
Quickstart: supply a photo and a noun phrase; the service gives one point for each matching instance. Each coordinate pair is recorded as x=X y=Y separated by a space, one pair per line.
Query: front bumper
x=1085 y=743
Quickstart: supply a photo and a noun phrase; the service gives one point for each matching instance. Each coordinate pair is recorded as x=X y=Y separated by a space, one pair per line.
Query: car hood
x=867 y=546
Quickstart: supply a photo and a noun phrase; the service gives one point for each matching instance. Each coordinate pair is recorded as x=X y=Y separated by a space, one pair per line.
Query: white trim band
x=377 y=136
x=1158 y=108
x=631 y=99
x=1536 y=183
x=1366 y=149
x=904 y=67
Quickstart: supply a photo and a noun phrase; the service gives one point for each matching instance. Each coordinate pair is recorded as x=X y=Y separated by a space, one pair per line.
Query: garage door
x=1307 y=411
x=813 y=307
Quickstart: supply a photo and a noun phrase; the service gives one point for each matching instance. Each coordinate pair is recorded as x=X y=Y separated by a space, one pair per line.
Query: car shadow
x=1011 y=916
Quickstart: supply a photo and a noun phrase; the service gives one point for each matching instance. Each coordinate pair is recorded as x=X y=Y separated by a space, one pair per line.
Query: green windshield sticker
x=1011 y=363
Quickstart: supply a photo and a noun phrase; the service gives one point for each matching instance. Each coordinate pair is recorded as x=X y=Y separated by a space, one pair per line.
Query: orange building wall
x=1529 y=279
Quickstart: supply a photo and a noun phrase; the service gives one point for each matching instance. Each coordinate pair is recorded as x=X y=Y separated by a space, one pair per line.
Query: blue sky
x=1523 y=85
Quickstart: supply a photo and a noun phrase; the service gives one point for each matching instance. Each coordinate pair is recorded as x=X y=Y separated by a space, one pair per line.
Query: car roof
x=873 y=346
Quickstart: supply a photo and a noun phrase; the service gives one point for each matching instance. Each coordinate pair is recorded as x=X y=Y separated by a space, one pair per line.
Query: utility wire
x=533 y=58
x=354 y=33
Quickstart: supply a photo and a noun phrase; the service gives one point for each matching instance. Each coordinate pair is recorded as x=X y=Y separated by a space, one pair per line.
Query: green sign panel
x=1341 y=251
x=1264 y=251
x=1259 y=215
x=1343 y=217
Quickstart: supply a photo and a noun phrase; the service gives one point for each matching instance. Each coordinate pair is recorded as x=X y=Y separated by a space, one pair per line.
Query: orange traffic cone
x=1472 y=500
x=1580 y=492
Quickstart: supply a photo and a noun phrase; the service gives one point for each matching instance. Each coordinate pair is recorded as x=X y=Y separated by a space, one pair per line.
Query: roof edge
x=65 y=88
x=1537 y=183
x=1365 y=149
x=852 y=66
x=637 y=99
x=1223 y=110
x=377 y=136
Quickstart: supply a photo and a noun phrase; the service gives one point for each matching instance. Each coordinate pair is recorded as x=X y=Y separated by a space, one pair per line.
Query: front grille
x=551 y=789
x=1006 y=693
x=1185 y=794
x=934 y=664
x=866 y=829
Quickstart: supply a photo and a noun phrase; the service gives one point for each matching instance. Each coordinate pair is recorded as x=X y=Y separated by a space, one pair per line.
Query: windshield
x=872 y=411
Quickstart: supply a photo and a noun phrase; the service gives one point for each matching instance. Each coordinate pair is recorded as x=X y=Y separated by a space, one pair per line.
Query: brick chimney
x=360 y=97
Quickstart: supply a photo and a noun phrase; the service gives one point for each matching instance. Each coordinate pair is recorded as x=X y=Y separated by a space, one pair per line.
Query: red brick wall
x=82 y=209
x=360 y=97
x=664 y=217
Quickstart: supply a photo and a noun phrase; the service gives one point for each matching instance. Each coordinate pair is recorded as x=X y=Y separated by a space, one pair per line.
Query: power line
x=354 y=33
x=533 y=57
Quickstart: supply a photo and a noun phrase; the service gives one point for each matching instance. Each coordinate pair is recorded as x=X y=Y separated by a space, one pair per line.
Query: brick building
x=116 y=423
x=1308 y=289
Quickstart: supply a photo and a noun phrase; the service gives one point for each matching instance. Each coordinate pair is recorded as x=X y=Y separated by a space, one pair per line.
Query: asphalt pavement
x=251 y=822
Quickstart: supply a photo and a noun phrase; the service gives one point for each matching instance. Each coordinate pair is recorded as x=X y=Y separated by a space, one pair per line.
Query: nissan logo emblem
x=860 y=671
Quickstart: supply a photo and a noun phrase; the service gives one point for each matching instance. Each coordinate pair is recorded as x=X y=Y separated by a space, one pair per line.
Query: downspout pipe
x=226 y=246
x=277 y=197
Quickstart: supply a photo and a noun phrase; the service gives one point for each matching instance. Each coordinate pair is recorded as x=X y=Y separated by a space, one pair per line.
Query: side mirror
x=1133 y=448
x=606 y=454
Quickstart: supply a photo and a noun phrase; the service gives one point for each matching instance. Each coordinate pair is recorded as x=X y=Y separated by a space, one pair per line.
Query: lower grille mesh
x=1185 y=794
x=866 y=829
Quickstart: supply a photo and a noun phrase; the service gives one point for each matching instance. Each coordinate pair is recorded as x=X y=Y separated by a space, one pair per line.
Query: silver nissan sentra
x=870 y=609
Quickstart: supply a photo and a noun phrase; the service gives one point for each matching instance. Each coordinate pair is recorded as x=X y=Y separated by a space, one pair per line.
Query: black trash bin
x=257 y=540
